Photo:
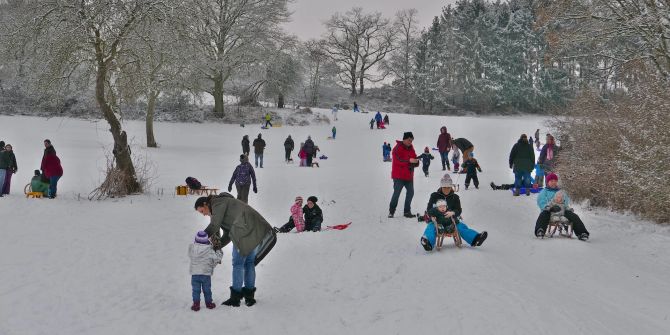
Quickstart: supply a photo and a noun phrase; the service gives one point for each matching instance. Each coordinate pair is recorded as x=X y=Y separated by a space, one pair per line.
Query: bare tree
x=228 y=35
x=400 y=61
x=82 y=38
x=357 y=41
x=315 y=58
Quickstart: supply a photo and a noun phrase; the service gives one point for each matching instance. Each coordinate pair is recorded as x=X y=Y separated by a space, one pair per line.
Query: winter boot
x=234 y=299
x=527 y=190
x=409 y=215
x=493 y=186
x=539 y=233
x=481 y=237
x=196 y=306
x=426 y=244
x=516 y=192
x=390 y=215
x=584 y=237
x=248 y=294
x=210 y=305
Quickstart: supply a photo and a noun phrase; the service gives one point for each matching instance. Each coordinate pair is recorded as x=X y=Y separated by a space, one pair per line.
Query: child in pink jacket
x=296 y=220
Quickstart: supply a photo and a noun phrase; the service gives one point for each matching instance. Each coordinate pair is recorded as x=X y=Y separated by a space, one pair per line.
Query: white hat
x=446 y=181
x=440 y=202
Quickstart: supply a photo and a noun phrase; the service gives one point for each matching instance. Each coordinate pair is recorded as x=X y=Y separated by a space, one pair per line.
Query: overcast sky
x=309 y=15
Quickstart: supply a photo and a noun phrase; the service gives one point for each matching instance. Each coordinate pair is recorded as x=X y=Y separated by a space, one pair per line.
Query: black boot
x=234 y=299
x=248 y=294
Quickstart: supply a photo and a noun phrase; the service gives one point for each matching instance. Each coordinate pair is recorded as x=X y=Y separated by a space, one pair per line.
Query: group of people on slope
x=44 y=181
x=380 y=121
x=308 y=150
x=522 y=162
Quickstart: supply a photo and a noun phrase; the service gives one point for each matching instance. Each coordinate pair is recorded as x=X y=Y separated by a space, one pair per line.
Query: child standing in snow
x=295 y=220
x=471 y=166
x=455 y=157
x=302 y=154
x=334 y=130
x=203 y=260
x=425 y=158
x=372 y=123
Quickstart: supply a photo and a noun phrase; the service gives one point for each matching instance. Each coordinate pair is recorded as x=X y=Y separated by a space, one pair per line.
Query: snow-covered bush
x=616 y=153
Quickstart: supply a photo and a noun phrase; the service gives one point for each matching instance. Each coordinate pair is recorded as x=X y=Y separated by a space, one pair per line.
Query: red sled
x=339 y=226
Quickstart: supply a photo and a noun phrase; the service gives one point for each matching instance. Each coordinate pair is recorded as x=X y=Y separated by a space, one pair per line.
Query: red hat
x=551 y=176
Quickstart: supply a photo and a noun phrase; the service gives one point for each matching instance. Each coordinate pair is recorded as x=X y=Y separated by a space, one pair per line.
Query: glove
x=230 y=188
x=255 y=189
x=555 y=209
x=480 y=170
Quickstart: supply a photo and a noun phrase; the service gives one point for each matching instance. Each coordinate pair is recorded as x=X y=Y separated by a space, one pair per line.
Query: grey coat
x=203 y=258
x=240 y=223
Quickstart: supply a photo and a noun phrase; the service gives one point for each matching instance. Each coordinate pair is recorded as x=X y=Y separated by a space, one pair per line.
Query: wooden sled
x=27 y=189
x=440 y=237
x=34 y=195
x=560 y=224
x=204 y=190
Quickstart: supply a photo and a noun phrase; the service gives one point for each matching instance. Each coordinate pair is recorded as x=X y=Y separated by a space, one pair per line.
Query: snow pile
x=71 y=266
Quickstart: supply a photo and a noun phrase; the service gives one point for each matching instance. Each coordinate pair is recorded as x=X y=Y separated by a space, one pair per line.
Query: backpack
x=193 y=183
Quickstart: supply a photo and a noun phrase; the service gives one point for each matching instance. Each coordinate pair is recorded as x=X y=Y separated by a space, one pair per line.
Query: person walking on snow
x=309 y=150
x=356 y=110
x=243 y=176
x=288 y=148
x=548 y=155
x=402 y=173
x=522 y=161
x=425 y=158
x=552 y=199
x=259 y=147
x=443 y=147
x=245 y=145
x=246 y=229
x=334 y=130
x=386 y=119
x=268 y=118
x=203 y=260
x=379 y=120
x=334 y=112
x=471 y=166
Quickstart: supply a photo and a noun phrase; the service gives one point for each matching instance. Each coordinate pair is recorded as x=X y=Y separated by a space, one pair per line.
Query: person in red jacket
x=51 y=168
x=402 y=173
x=443 y=146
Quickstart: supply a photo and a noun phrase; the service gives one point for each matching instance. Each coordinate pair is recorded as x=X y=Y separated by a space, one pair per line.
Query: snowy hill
x=120 y=266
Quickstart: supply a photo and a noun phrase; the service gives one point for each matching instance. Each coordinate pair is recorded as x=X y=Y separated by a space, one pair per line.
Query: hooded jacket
x=444 y=140
x=203 y=258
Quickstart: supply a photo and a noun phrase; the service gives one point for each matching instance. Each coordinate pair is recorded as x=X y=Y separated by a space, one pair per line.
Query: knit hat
x=37 y=172
x=426 y=149
x=440 y=202
x=201 y=237
x=551 y=176
x=312 y=199
x=243 y=157
x=446 y=181
x=298 y=198
x=407 y=135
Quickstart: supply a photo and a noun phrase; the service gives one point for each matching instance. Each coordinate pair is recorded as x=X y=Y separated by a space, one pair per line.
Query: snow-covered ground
x=71 y=266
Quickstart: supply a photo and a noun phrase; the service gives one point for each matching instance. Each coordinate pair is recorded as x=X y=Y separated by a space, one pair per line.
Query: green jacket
x=240 y=223
x=37 y=185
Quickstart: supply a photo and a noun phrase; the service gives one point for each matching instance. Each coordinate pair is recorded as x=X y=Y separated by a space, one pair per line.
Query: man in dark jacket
x=242 y=177
x=245 y=145
x=246 y=228
x=259 y=147
x=313 y=215
x=522 y=161
x=288 y=147
x=309 y=150
x=443 y=147
x=402 y=173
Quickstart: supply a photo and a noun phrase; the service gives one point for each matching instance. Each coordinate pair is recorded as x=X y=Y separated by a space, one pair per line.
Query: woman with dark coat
x=243 y=226
x=246 y=149
x=7 y=162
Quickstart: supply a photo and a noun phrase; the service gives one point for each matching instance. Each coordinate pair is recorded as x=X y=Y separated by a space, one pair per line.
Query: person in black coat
x=259 y=147
x=313 y=215
x=288 y=147
x=522 y=161
x=245 y=145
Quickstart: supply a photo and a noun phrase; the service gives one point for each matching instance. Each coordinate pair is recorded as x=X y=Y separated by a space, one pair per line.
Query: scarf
x=550 y=152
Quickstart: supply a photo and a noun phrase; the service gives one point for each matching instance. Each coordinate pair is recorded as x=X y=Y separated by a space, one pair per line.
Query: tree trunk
x=360 y=91
x=218 y=95
x=121 y=149
x=353 y=81
x=280 y=101
x=151 y=106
